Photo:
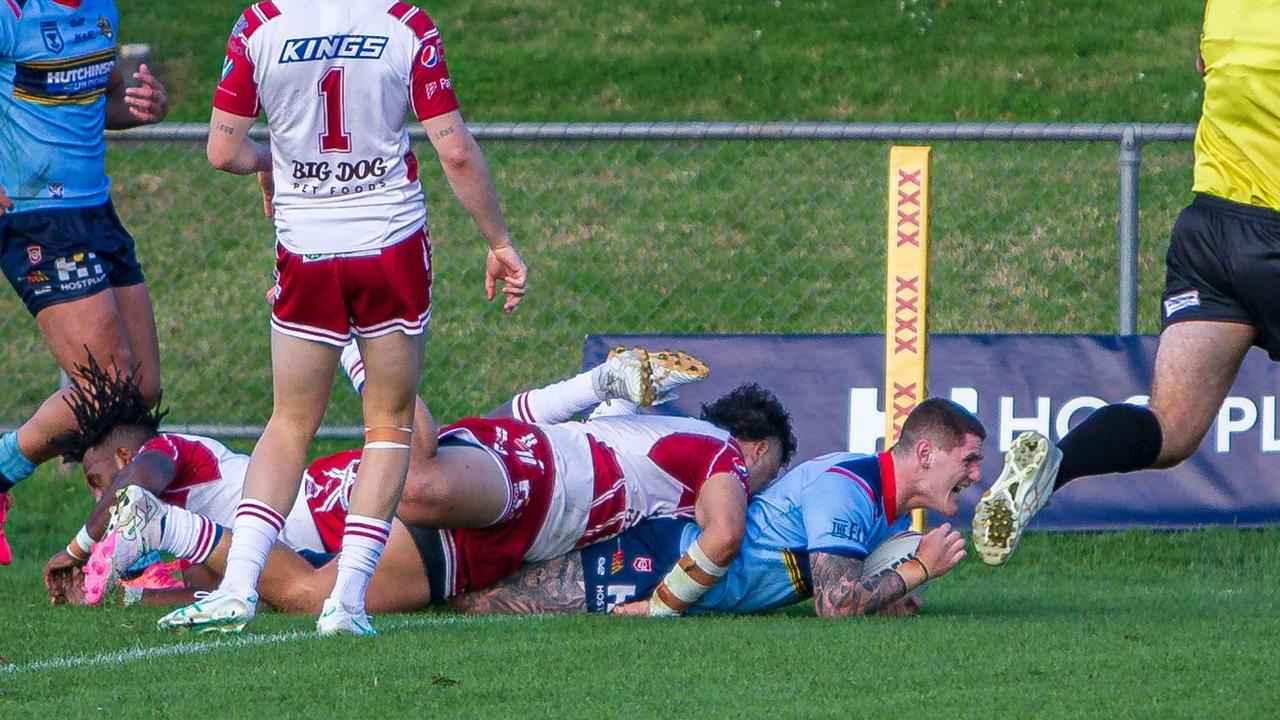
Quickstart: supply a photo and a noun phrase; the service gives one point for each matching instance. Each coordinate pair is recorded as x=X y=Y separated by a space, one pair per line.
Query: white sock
x=614 y=407
x=255 y=530
x=353 y=365
x=362 y=543
x=188 y=535
x=556 y=402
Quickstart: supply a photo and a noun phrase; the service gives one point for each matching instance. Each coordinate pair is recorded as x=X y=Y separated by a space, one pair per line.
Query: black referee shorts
x=1224 y=266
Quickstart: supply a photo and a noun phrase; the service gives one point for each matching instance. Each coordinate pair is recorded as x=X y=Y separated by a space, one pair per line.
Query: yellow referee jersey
x=1238 y=142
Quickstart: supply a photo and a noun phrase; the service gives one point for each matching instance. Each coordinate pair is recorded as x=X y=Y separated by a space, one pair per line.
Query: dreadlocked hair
x=103 y=399
x=750 y=412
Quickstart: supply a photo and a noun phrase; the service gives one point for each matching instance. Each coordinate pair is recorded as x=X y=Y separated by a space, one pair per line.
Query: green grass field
x=691 y=237
x=1128 y=625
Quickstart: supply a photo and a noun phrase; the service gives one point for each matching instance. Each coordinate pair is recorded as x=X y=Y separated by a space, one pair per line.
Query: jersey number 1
x=335 y=138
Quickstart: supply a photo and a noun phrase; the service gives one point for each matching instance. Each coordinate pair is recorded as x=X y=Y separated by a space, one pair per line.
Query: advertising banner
x=833 y=387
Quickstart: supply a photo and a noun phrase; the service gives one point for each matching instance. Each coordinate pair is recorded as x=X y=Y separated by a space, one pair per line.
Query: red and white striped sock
x=255 y=530
x=188 y=535
x=557 y=402
x=362 y=543
x=353 y=365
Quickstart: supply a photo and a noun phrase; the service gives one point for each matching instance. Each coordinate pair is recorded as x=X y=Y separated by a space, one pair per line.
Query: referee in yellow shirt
x=1222 y=286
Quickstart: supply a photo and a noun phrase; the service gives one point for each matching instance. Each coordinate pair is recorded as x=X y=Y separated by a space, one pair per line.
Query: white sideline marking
x=121 y=657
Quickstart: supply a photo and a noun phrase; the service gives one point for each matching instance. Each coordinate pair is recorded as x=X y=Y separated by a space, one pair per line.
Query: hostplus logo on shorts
x=78 y=272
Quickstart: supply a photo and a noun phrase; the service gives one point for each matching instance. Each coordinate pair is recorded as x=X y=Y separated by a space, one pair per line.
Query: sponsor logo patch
x=1181 y=301
x=642 y=564
x=615 y=562
x=355 y=47
x=431 y=56
x=104 y=27
x=842 y=528
x=80 y=271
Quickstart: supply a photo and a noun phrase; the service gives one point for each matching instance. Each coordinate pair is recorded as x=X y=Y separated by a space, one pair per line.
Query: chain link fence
x=671 y=228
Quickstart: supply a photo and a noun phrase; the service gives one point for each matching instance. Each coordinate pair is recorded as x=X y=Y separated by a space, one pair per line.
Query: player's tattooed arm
x=841 y=590
x=553 y=586
x=230 y=148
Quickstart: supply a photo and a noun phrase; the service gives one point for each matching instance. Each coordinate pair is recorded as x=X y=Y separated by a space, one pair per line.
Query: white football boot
x=625 y=375
x=671 y=369
x=216 y=611
x=1024 y=486
x=135 y=520
x=335 y=620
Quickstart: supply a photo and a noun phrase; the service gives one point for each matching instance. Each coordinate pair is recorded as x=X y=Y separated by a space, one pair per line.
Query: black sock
x=1114 y=439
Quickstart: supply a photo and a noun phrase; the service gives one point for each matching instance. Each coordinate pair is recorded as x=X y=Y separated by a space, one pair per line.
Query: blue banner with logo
x=833 y=387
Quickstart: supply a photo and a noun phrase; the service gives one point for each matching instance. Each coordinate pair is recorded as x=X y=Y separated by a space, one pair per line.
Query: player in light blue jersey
x=61 y=245
x=807 y=535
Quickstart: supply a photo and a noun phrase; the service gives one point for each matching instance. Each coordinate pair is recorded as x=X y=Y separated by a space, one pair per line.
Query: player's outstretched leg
x=141 y=523
x=625 y=378
x=1017 y=495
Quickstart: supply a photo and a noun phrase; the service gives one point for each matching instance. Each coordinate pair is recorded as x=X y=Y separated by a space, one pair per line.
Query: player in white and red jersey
x=118 y=442
x=501 y=492
x=337 y=79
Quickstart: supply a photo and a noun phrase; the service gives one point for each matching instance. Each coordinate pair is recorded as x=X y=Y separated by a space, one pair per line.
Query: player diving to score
x=807 y=534
x=518 y=492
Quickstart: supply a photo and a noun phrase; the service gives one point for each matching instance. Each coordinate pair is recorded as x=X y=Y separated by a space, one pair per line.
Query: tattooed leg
x=552 y=586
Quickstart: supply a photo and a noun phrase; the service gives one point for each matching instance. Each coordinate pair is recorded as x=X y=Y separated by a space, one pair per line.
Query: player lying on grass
x=807 y=534
x=118 y=443
x=545 y=497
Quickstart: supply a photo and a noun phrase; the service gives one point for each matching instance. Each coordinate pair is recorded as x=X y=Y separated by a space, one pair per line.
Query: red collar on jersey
x=888 y=487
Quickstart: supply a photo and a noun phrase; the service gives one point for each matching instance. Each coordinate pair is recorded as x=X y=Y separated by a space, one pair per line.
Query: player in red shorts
x=515 y=492
x=337 y=80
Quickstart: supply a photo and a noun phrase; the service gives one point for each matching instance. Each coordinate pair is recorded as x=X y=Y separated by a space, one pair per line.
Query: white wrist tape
x=657 y=608
x=683 y=587
x=704 y=563
x=83 y=543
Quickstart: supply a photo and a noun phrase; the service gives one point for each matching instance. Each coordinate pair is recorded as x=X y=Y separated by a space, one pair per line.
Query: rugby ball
x=891 y=553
